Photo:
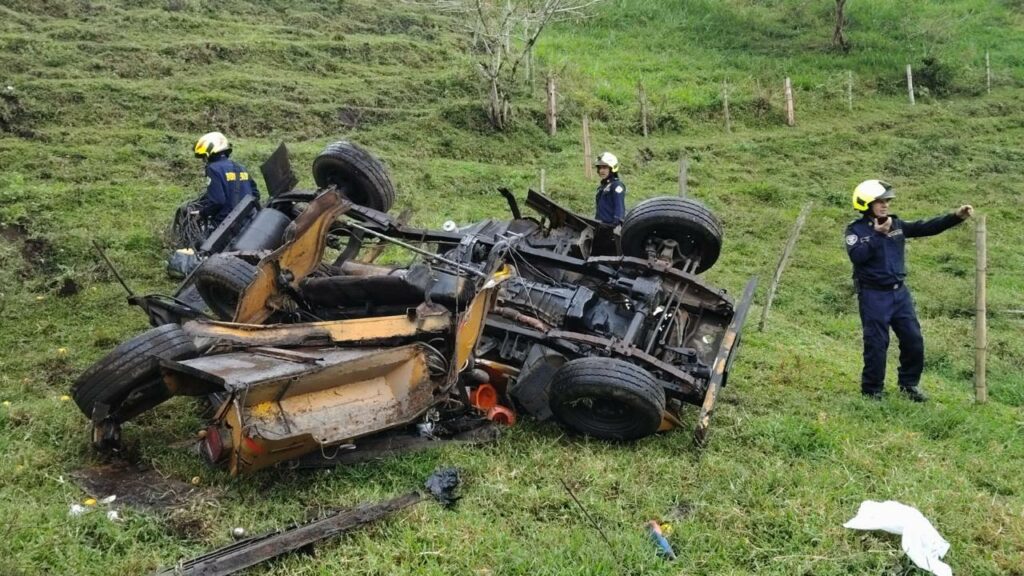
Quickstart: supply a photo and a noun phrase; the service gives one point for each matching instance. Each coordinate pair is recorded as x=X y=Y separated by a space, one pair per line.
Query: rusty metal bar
x=418 y=250
x=252 y=551
x=722 y=363
x=359 y=330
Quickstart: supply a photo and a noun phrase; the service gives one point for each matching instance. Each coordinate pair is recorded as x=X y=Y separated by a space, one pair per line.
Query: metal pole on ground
x=783 y=259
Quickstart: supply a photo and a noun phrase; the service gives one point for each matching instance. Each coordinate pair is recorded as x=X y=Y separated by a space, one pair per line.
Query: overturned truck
x=314 y=346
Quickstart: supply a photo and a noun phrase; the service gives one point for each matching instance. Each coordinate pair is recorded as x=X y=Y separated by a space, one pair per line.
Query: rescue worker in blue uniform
x=875 y=244
x=611 y=192
x=227 y=181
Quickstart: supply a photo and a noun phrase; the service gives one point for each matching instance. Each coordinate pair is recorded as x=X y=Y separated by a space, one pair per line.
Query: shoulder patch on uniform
x=851 y=239
x=619 y=189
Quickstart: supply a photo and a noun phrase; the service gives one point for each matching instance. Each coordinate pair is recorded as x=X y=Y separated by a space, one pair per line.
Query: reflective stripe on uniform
x=230 y=176
x=243 y=175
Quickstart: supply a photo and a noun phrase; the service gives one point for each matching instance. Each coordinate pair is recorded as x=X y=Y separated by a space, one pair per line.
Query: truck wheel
x=607 y=398
x=693 y=227
x=220 y=280
x=362 y=177
x=127 y=380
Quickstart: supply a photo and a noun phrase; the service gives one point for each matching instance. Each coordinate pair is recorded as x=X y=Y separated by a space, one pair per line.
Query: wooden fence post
x=790 y=244
x=849 y=90
x=980 y=313
x=529 y=56
x=790 y=112
x=552 y=106
x=910 y=85
x=684 y=177
x=642 y=96
x=988 y=73
x=725 y=105
x=588 y=170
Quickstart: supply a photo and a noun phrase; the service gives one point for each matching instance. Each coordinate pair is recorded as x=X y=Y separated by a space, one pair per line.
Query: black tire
x=691 y=224
x=220 y=280
x=359 y=174
x=607 y=398
x=131 y=373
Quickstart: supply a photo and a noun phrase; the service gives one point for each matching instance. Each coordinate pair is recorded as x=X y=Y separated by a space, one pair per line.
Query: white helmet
x=210 y=144
x=608 y=159
x=870 y=190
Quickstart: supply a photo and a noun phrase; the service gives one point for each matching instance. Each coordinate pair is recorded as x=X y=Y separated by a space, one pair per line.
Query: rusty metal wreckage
x=305 y=346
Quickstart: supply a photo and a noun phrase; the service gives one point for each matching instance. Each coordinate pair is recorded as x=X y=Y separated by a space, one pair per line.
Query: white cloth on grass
x=921 y=541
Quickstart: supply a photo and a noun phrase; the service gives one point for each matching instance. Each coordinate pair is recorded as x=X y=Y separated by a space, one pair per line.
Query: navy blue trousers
x=880 y=310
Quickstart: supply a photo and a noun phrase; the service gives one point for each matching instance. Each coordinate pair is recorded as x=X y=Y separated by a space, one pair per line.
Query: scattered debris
x=252 y=551
x=68 y=287
x=442 y=485
x=91 y=504
x=238 y=533
x=143 y=489
x=921 y=541
x=664 y=548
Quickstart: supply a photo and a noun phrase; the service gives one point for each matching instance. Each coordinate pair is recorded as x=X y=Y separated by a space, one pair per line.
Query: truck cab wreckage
x=559 y=317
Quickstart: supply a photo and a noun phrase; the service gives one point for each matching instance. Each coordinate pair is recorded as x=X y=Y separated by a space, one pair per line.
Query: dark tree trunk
x=838 y=37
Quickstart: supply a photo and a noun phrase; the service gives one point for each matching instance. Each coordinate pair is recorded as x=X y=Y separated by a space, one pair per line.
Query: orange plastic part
x=501 y=415
x=484 y=397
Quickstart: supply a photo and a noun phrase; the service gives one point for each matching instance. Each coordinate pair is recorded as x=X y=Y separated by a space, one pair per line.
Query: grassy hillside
x=106 y=98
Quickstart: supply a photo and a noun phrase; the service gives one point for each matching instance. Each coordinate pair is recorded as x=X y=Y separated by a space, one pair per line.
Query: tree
x=503 y=33
x=838 y=37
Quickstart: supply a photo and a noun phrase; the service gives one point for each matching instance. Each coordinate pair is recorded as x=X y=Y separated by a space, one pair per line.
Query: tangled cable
x=189 y=229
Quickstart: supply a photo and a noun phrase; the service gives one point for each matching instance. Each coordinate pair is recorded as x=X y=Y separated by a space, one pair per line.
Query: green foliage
x=935 y=76
x=94 y=144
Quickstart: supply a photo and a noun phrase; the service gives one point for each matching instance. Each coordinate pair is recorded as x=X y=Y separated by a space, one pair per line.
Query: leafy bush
x=936 y=76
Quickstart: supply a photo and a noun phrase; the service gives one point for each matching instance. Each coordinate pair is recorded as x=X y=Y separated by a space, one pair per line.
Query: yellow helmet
x=210 y=144
x=608 y=159
x=870 y=190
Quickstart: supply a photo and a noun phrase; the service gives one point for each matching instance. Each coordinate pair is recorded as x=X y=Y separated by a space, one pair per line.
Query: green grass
x=94 y=144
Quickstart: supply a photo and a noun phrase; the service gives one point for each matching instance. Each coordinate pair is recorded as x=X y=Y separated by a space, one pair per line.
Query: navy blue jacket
x=227 y=183
x=611 y=200
x=879 y=259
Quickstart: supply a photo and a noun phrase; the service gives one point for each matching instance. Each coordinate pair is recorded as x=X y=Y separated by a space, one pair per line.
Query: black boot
x=914 y=394
x=872 y=394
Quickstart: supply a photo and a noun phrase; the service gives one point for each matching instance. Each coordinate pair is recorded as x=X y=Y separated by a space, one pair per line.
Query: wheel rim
x=687 y=248
x=597 y=413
